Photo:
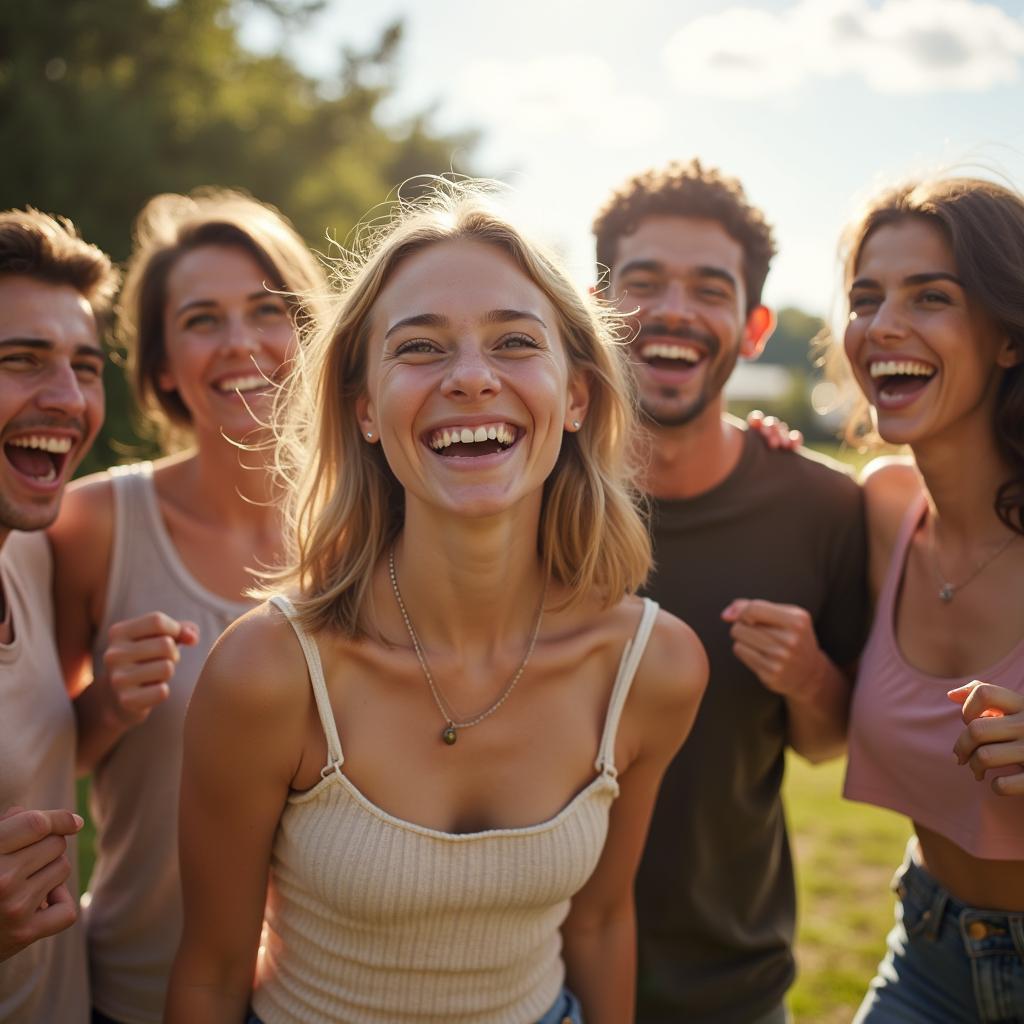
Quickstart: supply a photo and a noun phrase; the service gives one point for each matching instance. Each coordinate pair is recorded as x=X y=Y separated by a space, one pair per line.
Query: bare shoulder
x=256 y=666
x=86 y=514
x=891 y=484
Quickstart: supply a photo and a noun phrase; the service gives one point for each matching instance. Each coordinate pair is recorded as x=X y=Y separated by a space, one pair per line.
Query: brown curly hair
x=688 y=190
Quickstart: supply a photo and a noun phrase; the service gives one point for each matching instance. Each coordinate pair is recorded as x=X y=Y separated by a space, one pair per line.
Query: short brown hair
x=50 y=249
x=688 y=190
x=172 y=225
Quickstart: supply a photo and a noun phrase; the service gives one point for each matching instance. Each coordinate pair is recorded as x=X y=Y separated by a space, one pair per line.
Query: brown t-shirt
x=715 y=894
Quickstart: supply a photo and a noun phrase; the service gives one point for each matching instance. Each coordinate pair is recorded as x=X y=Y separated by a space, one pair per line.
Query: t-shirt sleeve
x=842 y=624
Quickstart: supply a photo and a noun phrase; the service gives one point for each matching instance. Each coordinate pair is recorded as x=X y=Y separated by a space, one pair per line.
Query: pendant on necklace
x=946 y=592
x=449 y=735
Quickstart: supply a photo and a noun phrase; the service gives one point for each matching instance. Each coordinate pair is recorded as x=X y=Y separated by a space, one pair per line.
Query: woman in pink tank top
x=404 y=776
x=935 y=339
x=153 y=561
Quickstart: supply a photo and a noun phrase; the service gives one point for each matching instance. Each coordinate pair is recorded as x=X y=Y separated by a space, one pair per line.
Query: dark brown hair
x=984 y=225
x=688 y=190
x=172 y=225
x=50 y=249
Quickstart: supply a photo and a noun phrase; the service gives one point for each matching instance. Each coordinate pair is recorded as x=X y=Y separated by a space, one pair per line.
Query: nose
x=887 y=322
x=469 y=375
x=240 y=335
x=62 y=392
x=672 y=304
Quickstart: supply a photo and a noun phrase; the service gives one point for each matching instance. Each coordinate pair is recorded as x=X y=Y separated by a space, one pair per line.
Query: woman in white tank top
x=153 y=561
x=398 y=786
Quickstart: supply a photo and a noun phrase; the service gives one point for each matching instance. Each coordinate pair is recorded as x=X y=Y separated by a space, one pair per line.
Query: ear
x=579 y=400
x=368 y=426
x=165 y=380
x=1010 y=354
x=756 y=331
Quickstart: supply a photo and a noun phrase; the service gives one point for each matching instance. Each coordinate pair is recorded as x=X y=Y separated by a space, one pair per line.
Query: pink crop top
x=903 y=759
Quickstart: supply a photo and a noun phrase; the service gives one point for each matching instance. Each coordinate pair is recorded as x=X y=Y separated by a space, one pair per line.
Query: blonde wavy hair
x=168 y=227
x=343 y=505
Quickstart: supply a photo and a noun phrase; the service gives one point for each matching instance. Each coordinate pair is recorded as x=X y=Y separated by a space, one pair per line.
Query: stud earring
x=369 y=435
x=575 y=424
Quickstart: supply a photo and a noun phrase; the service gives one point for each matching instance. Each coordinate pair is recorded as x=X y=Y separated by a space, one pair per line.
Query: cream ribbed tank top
x=374 y=920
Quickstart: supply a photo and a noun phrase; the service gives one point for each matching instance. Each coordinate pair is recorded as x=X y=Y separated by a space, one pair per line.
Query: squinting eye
x=415 y=347
x=200 y=320
x=518 y=341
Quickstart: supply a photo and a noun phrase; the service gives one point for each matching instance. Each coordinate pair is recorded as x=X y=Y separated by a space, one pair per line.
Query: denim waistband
x=984 y=932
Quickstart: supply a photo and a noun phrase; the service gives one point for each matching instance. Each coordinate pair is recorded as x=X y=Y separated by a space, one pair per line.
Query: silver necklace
x=450 y=731
x=948 y=590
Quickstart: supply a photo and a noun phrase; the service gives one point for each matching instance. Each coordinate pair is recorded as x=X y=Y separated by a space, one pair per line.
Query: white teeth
x=503 y=433
x=684 y=353
x=249 y=382
x=55 y=445
x=900 y=368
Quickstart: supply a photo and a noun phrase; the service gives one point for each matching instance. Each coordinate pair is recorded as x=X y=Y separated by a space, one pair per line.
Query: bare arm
x=600 y=932
x=142 y=653
x=242 y=747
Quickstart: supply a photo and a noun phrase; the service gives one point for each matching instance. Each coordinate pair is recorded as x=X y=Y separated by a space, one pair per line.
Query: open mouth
x=243 y=383
x=671 y=355
x=472 y=442
x=900 y=380
x=38 y=457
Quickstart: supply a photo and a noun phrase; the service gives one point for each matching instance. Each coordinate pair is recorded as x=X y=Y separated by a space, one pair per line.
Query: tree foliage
x=104 y=103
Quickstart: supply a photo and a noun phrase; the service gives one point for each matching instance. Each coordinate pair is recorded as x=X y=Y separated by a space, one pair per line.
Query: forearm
x=819 y=713
x=99 y=728
x=600 y=961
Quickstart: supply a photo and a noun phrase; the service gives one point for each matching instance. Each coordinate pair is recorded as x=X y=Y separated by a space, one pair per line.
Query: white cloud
x=895 y=46
x=549 y=96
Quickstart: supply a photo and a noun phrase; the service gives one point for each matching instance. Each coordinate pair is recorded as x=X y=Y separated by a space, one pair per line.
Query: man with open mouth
x=54 y=290
x=762 y=553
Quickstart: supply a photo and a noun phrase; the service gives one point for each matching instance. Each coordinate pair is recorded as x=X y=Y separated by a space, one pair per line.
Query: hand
x=34 y=901
x=140 y=660
x=777 y=643
x=774 y=432
x=994 y=737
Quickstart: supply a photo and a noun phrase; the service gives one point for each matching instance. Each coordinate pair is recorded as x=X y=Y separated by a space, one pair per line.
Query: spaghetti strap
x=632 y=654
x=898 y=559
x=335 y=757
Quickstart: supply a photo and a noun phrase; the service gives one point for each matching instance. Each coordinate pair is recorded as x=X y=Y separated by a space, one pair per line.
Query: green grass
x=845 y=856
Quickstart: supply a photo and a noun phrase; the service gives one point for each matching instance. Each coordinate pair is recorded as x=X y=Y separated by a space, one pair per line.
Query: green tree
x=104 y=103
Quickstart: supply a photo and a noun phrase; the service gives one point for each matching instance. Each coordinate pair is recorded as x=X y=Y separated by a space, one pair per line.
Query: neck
x=469 y=584
x=691 y=459
x=962 y=471
x=6 y=631
x=232 y=486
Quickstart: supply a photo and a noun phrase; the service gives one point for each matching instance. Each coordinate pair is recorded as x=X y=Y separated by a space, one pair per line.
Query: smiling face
x=681 y=279
x=469 y=388
x=227 y=338
x=51 y=396
x=925 y=356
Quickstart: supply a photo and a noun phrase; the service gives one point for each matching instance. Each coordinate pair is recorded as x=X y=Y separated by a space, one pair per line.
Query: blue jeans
x=565 y=1010
x=946 y=963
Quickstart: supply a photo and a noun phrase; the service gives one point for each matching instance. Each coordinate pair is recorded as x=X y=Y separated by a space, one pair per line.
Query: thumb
x=735 y=609
x=188 y=634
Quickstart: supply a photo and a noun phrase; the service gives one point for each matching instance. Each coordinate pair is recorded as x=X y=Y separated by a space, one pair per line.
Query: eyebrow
x=261 y=294
x=912 y=280
x=656 y=267
x=495 y=316
x=42 y=345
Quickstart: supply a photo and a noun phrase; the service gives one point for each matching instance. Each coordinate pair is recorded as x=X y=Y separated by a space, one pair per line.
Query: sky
x=812 y=104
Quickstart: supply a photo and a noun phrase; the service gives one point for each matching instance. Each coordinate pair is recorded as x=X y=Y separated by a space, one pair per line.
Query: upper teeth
x=503 y=433
x=656 y=350
x=900 y=367
x=248 y=383
x=56 y=445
